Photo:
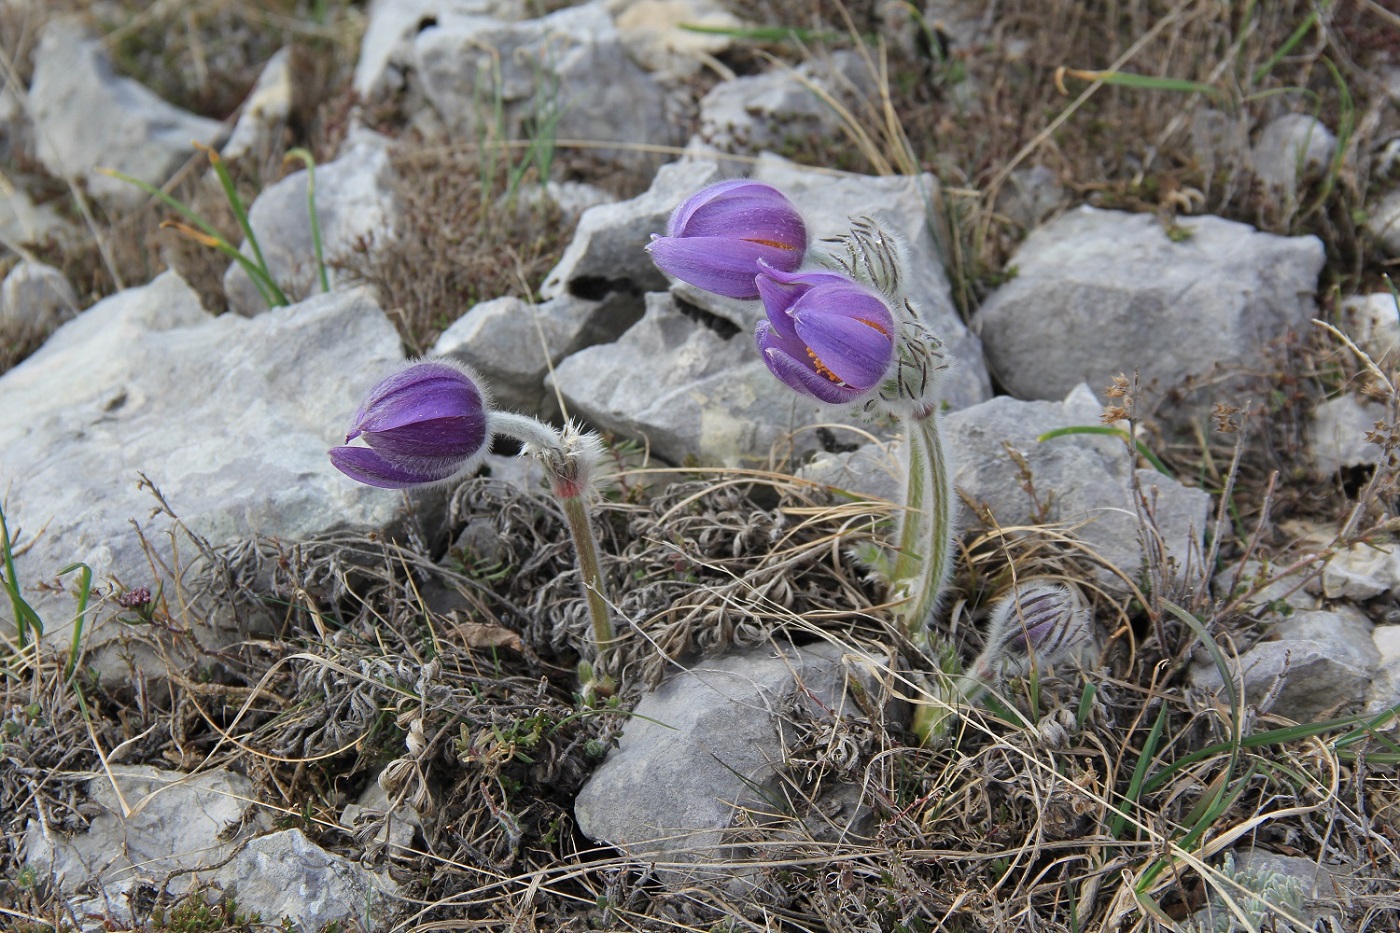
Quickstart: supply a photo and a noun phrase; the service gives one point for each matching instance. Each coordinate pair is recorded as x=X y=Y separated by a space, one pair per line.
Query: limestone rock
x=1373 y=321
x=265 y=111
x=654 y=33
x=1337 y=433
x=87 y=117
x=1321 y=660
x=512 y=344
x=1081 y=480
x=229 y=417
x=286 y=875
x=711 y=743
x=1383 y=222
x=1289 y=149
x=160 y=828
x=1098 y=293
x=608 y=251
x=386 y=52
x=565 y=73
x=353 y=203
x=36 y=297
x=690 y=391
x=1361 y=572
x=773 y=110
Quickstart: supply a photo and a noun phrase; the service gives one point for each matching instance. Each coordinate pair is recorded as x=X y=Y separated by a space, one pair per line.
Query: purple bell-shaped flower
x=826 y=336
x=424 y=424
x=717 y=238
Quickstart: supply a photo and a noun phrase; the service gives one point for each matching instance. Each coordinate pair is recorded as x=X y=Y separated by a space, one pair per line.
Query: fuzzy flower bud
x=425 y=424
x=717 y=238
x=826 y=336
x=1038 y=623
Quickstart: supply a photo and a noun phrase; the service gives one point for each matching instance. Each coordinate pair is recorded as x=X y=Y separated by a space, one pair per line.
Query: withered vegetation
x=440 y=663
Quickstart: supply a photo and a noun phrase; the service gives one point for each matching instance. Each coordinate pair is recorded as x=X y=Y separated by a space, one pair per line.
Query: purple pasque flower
x=826 y=336
x=424 y=424
x=717 y=238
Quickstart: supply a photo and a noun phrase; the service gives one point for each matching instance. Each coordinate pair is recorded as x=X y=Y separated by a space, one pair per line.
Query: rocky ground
x=242 y=692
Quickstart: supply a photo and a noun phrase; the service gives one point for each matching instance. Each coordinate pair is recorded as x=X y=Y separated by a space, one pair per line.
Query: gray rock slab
x=1289 y=149
x=1322 y=660
x=769 y=111
x=1274 y=593
x=286 y=875
x=1081 y=480
x=1337 y=433
x=386 y=51
x=711 y=743
x=567 y=70
x=23 y=221
x=655 y=35
x=35 y=296
x=608 y=251
x=230 y=417
x=1361 y=572
x=265 y=111
x=1384 y=693
x=512 y=343
x=354 y=203
x=689 y=391
x=150 y=825
x=87 y=117
x=1373 y=321
x=1383 y=222
x=1097 y=293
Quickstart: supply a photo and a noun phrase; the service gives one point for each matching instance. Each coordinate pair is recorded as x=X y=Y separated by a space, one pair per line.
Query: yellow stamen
x=873 y=324
x=821 y=368
x=773 y=243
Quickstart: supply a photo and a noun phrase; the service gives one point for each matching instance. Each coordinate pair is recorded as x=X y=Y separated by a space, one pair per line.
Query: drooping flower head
x=716 y=239
x=424 y=424
x=826 y=336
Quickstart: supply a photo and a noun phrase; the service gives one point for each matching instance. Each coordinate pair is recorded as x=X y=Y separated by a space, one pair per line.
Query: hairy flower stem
x=924 y=560
x=576 y=511
x=569 y=460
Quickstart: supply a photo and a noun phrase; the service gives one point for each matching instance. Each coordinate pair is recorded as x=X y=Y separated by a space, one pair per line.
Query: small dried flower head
x=717 y=238
x=427 y=423
x=825 y=335
x=572 y=466
x=135 y=598
x=1038 y=623
x=1224 y=416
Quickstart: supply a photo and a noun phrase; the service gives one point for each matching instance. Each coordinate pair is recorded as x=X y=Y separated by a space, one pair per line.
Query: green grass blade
x=216 y=239
x=241 y=215
x=309 y=161
x=25 y=616
x=1136 y=782
x=84 y=593
x=1144 y=82
x=167 y=200
x=1110 y=431
x=1286 y=48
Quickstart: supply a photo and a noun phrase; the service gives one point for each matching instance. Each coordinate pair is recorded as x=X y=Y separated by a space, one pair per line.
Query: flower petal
x=423 y=391
x=373 y=469
x=721 y=265
x=681 y=216
x=797 y=374
x=850 y=330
